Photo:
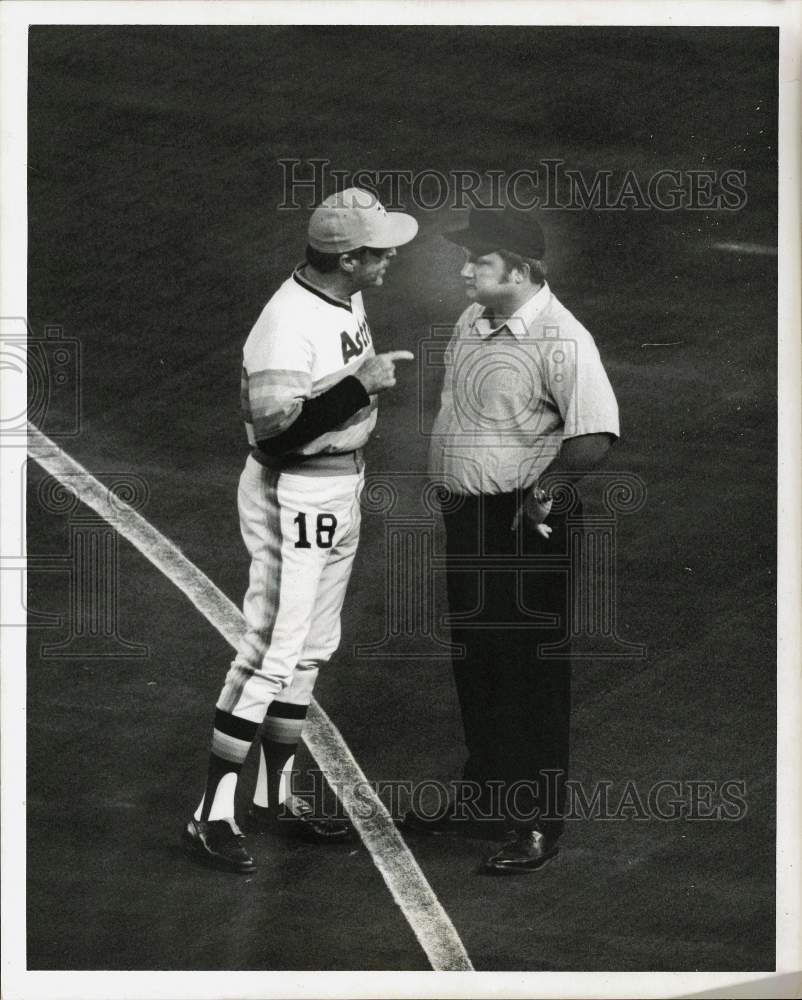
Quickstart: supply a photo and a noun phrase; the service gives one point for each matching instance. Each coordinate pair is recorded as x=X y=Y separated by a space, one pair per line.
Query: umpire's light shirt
x=514 y=389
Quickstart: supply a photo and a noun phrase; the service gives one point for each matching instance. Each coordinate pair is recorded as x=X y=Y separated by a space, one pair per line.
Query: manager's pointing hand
x=378 y=372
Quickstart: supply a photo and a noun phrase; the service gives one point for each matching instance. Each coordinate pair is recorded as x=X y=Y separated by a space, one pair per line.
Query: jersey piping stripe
x=334 y=377
x=244 y=397
x=267 y=425
x=320 y=294
x=260 y=641
x=269 y=415
x=277 y=378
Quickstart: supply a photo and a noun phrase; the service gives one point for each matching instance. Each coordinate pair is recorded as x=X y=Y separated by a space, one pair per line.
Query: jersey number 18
x=324 y=531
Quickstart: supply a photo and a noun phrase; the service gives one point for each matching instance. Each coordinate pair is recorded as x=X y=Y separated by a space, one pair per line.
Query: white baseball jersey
x=303 y=343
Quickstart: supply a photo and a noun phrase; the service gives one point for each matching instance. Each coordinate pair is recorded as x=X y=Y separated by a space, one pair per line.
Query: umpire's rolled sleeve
x=583 y=394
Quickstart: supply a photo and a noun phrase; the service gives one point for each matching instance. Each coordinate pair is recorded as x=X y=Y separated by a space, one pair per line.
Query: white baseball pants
x=302 y=533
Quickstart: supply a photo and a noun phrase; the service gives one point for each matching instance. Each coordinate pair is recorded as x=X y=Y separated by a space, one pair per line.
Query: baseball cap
x=356 y=218
x=505 y=228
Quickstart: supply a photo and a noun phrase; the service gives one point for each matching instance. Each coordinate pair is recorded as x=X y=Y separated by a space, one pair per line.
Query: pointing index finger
x=400 y=356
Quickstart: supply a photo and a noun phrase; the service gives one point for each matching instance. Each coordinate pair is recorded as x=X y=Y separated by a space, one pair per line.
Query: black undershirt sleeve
x=319 y=415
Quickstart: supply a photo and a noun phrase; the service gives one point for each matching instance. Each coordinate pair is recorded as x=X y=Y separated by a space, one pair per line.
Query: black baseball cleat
x=218 y=844
x=295 y=817
x=526 y=851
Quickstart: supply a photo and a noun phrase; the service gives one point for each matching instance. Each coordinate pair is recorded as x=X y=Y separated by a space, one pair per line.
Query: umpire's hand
x=534 y=510
x=378 y=372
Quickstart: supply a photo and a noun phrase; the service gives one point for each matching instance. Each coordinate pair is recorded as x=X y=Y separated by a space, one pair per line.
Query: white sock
x=260 y=797
x=223 y=805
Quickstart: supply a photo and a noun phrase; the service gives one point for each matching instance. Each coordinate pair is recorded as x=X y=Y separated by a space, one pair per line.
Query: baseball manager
x=310 y=378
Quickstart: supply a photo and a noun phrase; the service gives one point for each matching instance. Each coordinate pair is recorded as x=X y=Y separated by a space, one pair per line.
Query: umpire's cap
x=356 y=218
x=504 y=228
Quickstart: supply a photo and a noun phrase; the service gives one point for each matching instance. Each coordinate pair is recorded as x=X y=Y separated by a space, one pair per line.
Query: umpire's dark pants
x=515 y=702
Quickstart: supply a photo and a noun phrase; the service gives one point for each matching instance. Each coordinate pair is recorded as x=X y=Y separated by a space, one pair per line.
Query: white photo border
x=15 y=18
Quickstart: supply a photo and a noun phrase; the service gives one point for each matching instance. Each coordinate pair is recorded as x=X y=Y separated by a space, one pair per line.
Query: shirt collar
x=304 y=282
x=518 y=324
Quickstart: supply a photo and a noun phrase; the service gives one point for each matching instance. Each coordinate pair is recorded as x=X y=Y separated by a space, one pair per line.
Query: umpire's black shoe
x=448 y=817
x=217 y=843
x=416 y=823
x=296 y=818
x=525 y=851
x=461 y=816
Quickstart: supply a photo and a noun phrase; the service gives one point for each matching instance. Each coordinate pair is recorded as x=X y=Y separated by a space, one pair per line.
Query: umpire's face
x=486 y=278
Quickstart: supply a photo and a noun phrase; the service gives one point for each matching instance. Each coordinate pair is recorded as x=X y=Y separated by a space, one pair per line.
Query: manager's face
x=486 y=278
x=371 y=267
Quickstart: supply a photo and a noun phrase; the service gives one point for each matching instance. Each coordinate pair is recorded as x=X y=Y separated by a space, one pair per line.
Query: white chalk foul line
x=399 y=869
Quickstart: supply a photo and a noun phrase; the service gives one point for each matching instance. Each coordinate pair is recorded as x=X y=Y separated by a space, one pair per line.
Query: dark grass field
x=155 y=240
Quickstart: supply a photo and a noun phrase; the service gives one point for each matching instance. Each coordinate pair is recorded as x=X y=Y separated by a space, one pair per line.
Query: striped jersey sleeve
x=276 y=378
x=272 y=400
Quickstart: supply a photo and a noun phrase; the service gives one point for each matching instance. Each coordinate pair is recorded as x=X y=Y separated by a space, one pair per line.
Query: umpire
x=524 y=395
